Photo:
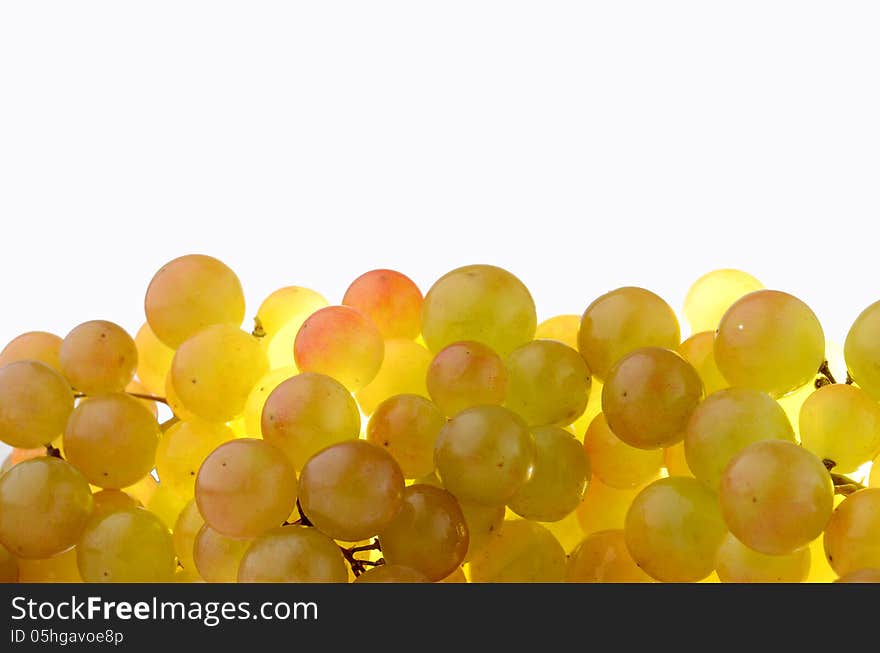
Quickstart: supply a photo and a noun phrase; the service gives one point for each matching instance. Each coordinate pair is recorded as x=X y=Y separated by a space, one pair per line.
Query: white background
x=581 y=145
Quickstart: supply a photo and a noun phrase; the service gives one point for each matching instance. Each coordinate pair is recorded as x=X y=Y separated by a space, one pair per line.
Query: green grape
x=649 y=397
x=621 y=321
x=548 y=383
x=392 y=574
x=253 y=407
x=726 y=423
x=8 y=566
x=862 y=350
x=190 y=293
x=841 y=423
x=110 y=500
x=615 y=462
x=604 y=507
x=342 y=343
x=407 y=426
x=776 y=497
x=484 y=455
x=308 y=413
x=713 y=293
x=351 y=490
x=699 y=351
x=602 y=557
x=112 y=440
x=428 y=533
x=559 y=477
x=126 y=546
x=44 y=506
x=285 y=306
x=852 y=538
x=466 y=374
x=183 y=448
x=98 y=356
x=35 y=402
x=673 y=530
x=59 y=568
x=769 y=341
x=563 y=328
x=479 y=303
x=403 y=371
x=390 y=299
x=214 y=371
x=293 y=554
x=189 y=523
x=861 y=576
x=245 y=487
x=153 y=360
x=521 y=552
x=737 y=563
x=33 y=346
x=675 y=461
x=216 y=556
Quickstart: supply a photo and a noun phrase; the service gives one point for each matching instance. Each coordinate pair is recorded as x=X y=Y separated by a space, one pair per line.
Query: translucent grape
x=245 y=487
x=548 y=383
x=33 y=346
x=166 y=505
x=861 y=576
x=216 y=556
x=484 y=455
x=563 y=328
x=673 y=530
x=820 y=570
x=60 y=568
x=713 y=293
x=286 y=306
x=604 y=507
x=35 y=402
x=521 y=552
x=110 y=500
x=183 y=448
x=737 y=563
x=174 y=403
x=351 y=490
x=153 y=360
x=403 y=371
x=862 y=350
x=699 y=351
x=615 y=462
x=214 y=371
x=307 y=413
x=483 y=523
x=390 y=299
x=8 y=566
x=649 y=396
x=852 y=538
x=112 y=440
x=253 y=407
x=143 y=490
x=44 y=506
x=126 y=546
x=342 y=343
x=466 y=374
x=407 y=426
x=874 y=478
x=189 y=523
x=776 y=497
x=293 y=554
x=841 y=423
x=769 y=341
x=622 y=321
x=392 y=574
x=190 y=293
x=98 y=356
x=480 y=303
x=602 y=557
x=134 y=387
x=725 y=424
x=559 y=477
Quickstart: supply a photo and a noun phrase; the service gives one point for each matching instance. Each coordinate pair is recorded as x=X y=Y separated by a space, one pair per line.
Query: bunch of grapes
x=445 y=437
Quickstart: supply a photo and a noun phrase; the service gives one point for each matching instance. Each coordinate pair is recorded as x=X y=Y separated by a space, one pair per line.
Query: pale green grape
x=521 y=552
x=183 y=448
x=293 y=554
x=615 y=462
x=404 y=370
x=737 y=563
x=286 y=306
x=153 y=360
x=216 y=556
x=390 y=299
x=852 y=538
x=35 y=403
x=699 y=351
x=33 y=346
x=862 y=350
x=392 y=574
x=713 y=293
x=98 y=356
x=602 y=557
x=407 y=426
x=563 y=328
x=189 y=523
x=466 y=374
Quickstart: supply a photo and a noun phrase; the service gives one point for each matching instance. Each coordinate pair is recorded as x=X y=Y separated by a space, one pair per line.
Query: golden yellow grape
x=59 y=568
x=153 y=360
x=290 y=305
x=521 y=552
x=866 y=575
x=189 y=523
x=35 y=346
x=602 y=557
x=407 y=426
x=393 y=574
x=604 y=507
x=98 y=356
x=390 y=299
x=616 y=463
x=852 y=538
x=737 y=563
x=253 y=407
x=862 y=350
x=466 y=374
x=182 y=449
x=563 y=328
x=293 y=554
x=35 y=403
x=404 y=370
x=8 y=566
x=216 y=556
x=713 y=293
x=699 y=351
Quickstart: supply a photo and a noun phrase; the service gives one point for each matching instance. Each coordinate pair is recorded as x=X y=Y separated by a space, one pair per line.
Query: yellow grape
x=190 y=293
x=403 y=371
x=481 y=303
x=342 y=343
x=189 y=523
x=726 y=423
x=602 y=557
x=351 y=490
x=673 y=530
x=253 y=407
x=35 y=403
x=484 y=455
x=98 y=356
x=428 y=533
x=841 y=423
x=33 y=346
x=466 y=374
x=307 y=413
x=604 y=507
x=874 y=478
x=153 y=360
x=793 y=402
x=217 y=556
x=559 y=477
x=8 y=566
x=44 y=506
x=820 y=570
x=174 y=403
x=134 y=387
x=112 y=440
x=776 y=496
x=407 y=426
x=567 y=530
x=214 y=371
x=166 y=505
x=622 y=321
x=110 y=500
x=143 y=490
x=852 y=538
x=293 y=554
x=594 y=407
x=390 y=299
x=286 y=306
x=699 y=351
x=769 y=341
x=483 y=522
x=393 y=574
x=649 y=396
x=183 y=448
x=616 y=463
x=19 y=456
x=737 y=563
x=126 y=546
x=862 y=350
x=548 y=383
x=521 y=552
x=563 y=328
x=866 y=575
x=60 y=568
x=713 y=293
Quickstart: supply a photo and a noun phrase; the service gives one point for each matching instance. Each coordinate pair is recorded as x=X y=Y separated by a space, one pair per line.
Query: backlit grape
x=35 y=402
x=183 y=448
x=603 y=558
x=615 y=462
x=404 y=370
x=293 y=554
x=216 y=556
x=98 y=356
x=852 y=538
x=737 y=563
x=521 y=552
x=407 y=426
x=390 y=299
x=713 y=293
x=35 y=346
x=466 y=374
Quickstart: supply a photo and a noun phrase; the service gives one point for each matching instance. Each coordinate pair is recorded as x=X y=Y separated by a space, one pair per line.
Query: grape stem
x=259 y=331
x=825 y=376
x=358 y=566
x=53 y=452
x=843 y=485
x=136 y=395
